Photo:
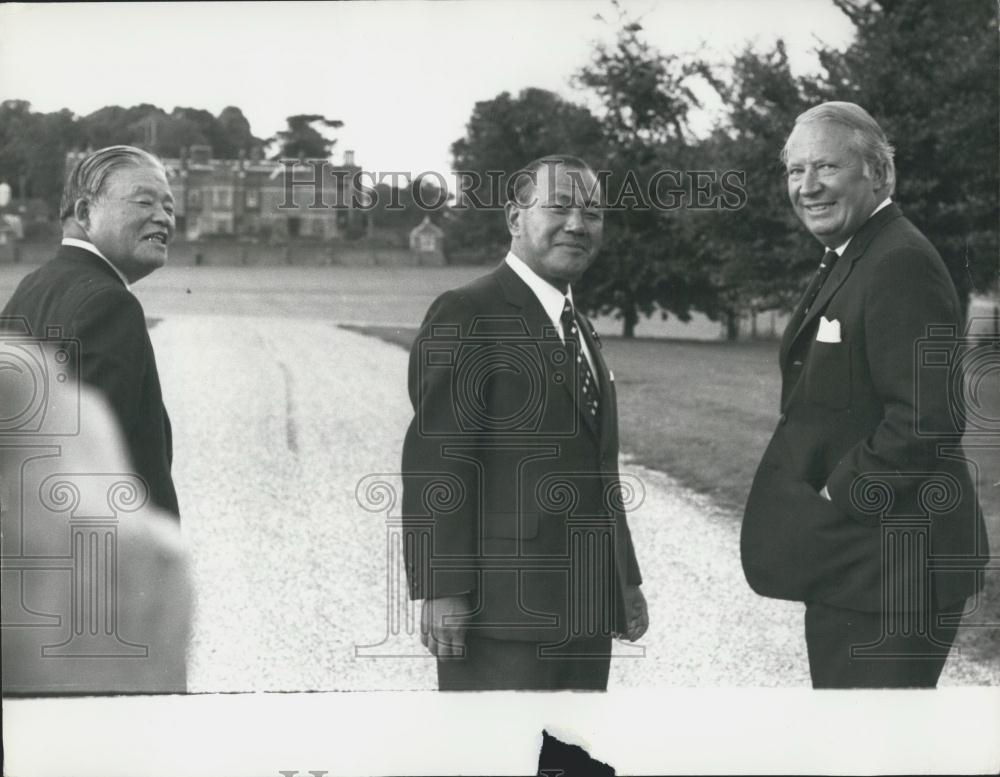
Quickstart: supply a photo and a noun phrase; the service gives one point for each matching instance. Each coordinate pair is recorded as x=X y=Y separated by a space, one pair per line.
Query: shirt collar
x=552 y=300
x=843 y=246
x=86 y=245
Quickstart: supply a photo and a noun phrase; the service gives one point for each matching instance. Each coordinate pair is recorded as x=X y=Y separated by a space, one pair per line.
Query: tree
x=302 y=140
x=928 y=74
x=232 y=134
x=33 y=150
x=760 y=256
x=502 y=135
x=174 y=134
x=647 y=97
x=33 y=146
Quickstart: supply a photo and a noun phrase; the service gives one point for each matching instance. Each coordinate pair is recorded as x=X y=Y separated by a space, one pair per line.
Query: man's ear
x=880 y=178
x=81 y=212
x=513 y=215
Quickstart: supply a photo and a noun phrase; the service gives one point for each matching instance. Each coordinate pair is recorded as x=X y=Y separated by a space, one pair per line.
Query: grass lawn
x=704 y=411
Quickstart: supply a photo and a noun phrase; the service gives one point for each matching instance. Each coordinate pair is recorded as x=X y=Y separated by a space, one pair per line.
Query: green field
x=704 y=412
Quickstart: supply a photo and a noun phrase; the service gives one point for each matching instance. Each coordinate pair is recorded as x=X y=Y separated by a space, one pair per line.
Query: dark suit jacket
x=82 y=296
x=518 y=486
x=875 y=421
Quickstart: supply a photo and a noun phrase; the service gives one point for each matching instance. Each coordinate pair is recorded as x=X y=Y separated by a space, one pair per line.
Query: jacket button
x=782 y=419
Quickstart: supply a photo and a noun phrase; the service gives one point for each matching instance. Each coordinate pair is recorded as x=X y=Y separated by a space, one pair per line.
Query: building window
x=222 y=198
x=194 y=199
x=252 y=199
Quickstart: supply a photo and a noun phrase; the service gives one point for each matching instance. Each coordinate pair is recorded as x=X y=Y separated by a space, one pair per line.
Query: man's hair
x=868 y=138
x=521 y=184
x=89 y=174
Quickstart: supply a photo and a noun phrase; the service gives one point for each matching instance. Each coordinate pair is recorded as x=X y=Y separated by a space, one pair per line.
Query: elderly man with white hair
x=863 y=506
x=118 y=218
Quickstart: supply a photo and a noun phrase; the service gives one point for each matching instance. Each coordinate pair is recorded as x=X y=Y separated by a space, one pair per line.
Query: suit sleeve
x=440 y=486
x=111 y=328
x=909 y=291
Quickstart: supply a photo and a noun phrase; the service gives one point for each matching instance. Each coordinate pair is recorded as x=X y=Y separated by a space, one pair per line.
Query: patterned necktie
x=588 y=394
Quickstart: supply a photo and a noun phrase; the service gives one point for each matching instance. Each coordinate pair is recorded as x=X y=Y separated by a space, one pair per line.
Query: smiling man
x=516 y=535
x=117 y=215
x=863 y=506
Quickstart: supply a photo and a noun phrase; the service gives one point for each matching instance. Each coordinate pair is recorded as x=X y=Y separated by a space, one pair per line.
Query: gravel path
x=277 y=420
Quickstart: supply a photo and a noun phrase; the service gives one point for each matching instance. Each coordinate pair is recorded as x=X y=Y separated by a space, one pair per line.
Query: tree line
x=33 y=145
x=927 y=71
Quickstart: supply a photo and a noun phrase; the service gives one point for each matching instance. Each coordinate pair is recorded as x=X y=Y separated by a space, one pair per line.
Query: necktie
x=587 y=394
x=812 y=291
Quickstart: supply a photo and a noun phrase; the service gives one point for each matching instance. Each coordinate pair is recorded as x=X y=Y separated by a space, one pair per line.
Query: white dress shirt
x=88 y=246
x=553 y=301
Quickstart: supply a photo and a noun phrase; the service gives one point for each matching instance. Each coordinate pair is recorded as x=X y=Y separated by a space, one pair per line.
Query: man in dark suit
x=863 y=506
x=118 y=217
x=516 y=537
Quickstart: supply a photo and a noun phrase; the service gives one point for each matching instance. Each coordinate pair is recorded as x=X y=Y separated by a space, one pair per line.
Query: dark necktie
x=812 y=291
x=587 y=394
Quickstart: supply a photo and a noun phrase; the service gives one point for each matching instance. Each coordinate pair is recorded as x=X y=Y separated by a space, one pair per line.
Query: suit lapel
x=838 y=275
x=518 y=294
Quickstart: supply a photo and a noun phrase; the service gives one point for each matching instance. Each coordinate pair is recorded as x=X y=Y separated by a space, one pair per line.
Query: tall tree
x=759 y=255
x=33 y=150
x=232 y=134
x=928 y=72
x=303 y=140
x=647 y=98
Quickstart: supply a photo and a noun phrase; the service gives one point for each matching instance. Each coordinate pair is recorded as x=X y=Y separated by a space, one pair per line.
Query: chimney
x=349 y=158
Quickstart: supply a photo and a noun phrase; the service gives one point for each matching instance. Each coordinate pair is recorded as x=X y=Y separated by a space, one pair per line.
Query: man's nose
x=162 y=216
x=810 y=181
x=574 y=221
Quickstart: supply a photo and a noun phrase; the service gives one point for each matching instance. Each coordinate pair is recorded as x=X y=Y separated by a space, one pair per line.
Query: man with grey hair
x=118 y=217
x=863 y=506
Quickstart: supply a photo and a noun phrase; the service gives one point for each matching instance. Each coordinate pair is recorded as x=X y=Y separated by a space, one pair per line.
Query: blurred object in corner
x=96 y=591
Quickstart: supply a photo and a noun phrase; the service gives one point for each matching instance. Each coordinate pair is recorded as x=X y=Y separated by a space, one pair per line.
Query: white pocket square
x=829 y=331
x=611 y=375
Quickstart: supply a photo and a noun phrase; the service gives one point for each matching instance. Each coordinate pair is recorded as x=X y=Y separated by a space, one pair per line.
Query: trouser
x=852 y=649
x=511 y=665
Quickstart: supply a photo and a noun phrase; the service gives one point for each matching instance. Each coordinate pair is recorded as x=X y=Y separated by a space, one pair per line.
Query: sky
x=403 y=76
